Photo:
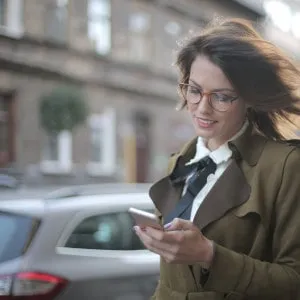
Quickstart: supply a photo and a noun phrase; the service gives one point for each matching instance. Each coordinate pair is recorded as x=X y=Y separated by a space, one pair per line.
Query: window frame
x=115 y=218
x=13 y=19
x=28 y=235
x=83 y=215
x=64 y=163
x=53 y=8
x=139 y=43
x=101 y=19
x=108 y=164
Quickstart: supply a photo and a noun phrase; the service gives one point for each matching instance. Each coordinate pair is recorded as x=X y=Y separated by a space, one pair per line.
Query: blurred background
x=88 y=89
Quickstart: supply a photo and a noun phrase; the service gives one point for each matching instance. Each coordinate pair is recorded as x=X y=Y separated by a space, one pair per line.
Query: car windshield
x=16 y=232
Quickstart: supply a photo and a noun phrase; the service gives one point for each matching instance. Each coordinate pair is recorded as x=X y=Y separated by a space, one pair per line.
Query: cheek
x=232 y=118
x=190 y=108
x=225 y=120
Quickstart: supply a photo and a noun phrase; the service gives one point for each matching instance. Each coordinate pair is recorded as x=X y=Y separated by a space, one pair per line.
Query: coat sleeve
x=159 y=215
x=237 y=274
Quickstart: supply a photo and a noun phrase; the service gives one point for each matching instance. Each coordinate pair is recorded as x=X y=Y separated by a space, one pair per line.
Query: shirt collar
x=219 y=155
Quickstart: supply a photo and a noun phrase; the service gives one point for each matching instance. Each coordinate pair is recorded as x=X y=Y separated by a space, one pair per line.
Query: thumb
x=179 y=224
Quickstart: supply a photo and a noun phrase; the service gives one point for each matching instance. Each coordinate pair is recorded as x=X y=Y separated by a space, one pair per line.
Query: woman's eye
x=193 y=90
x=221 y=97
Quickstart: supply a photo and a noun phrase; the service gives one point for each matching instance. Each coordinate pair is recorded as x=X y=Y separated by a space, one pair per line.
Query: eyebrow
x=215 y=90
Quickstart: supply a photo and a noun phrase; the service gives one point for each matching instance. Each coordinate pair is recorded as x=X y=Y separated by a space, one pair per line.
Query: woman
x=239 y=236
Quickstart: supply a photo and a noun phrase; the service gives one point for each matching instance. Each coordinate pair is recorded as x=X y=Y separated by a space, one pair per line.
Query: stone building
x=120 y=54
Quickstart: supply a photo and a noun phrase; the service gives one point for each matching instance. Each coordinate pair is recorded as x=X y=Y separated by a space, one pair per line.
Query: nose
x=203 y=106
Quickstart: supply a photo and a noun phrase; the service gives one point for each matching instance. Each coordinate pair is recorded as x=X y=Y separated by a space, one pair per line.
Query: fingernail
x=168 y=225
x=135 y=228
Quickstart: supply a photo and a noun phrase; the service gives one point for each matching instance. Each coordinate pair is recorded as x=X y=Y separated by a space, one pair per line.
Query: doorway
x=7 y=130
x=142 y=134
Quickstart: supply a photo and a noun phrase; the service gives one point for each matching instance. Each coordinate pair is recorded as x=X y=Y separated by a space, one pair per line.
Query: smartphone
x=143 y=218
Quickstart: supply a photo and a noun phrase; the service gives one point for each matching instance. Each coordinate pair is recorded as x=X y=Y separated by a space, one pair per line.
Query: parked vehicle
x=9 y=181
x=74 y=247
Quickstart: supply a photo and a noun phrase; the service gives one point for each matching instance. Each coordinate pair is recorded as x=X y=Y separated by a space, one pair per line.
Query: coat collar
x=224 y=195
x=247 y=146
x=186 y=154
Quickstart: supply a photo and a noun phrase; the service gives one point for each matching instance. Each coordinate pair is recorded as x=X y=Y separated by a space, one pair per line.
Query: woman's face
x=214 y=126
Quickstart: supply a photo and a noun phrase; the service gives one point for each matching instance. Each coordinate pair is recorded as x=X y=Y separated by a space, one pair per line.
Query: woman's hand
x=181 y=242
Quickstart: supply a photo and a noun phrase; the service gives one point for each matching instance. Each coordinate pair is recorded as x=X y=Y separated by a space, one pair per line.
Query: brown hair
x=260 y=73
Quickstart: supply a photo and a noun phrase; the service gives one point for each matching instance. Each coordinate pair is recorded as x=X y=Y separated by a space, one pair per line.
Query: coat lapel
x=231 y=190
x=164 y=193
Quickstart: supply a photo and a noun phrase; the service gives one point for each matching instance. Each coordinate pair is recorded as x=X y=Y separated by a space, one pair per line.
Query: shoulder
x=283 y=146
x=289 y=171
x=279 y=170
x=286 y=153
x=292 y=159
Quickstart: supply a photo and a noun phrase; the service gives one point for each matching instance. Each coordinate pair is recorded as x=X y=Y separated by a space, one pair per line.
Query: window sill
x=6 y=31
x=98 y=169
x=54 y=168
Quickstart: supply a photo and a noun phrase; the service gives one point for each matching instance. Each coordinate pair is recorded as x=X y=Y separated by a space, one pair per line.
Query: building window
x=4 y=133
x=57 y=154
x=57 y=21
x=140 y=37
x=2 y=12
x=52 y=147
x=11 y=17
x=7 y=130
x=102 y=159
x=170 y=37
x=99 y=25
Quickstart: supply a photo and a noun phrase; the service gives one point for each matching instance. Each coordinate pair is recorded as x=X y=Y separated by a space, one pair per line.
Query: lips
x=208 y=121
x=204 y=123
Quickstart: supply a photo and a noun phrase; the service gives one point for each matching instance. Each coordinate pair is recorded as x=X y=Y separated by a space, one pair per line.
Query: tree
x=64 y=108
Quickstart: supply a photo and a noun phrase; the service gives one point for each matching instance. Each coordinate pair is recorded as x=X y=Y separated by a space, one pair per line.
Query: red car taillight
x=30 y=286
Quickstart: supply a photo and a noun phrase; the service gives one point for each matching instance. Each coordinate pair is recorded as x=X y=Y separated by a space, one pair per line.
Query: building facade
x=120 y=54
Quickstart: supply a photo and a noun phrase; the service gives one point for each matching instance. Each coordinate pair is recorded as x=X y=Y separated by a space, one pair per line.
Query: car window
x=106 y=232
x=15 y=234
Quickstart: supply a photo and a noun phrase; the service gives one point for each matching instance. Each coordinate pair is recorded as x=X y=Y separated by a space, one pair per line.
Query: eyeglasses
x=218 y=101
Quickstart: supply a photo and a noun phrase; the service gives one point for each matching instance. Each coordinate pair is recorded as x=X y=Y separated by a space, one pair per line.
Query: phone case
x=144 y=219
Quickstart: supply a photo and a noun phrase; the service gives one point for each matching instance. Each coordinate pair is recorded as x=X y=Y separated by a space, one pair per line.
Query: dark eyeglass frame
x=183 y=86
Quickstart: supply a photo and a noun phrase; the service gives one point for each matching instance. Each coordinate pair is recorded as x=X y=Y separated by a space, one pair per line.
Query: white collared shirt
x=221 y=156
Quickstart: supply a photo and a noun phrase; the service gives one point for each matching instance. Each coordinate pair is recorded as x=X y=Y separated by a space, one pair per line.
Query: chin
x=205 y=133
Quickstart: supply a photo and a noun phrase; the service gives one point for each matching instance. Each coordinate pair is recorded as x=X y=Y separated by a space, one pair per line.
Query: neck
x=214 y=143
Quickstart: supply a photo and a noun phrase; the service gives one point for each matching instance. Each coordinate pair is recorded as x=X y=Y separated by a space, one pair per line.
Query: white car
x=75 y=245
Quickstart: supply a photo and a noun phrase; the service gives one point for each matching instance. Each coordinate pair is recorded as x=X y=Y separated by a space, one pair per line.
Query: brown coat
x=253 y=216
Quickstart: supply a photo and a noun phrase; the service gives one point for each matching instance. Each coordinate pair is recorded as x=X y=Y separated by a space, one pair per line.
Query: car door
x=104 y=259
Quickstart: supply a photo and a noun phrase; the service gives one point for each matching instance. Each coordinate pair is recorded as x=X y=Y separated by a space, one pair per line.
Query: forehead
x=208 y=75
